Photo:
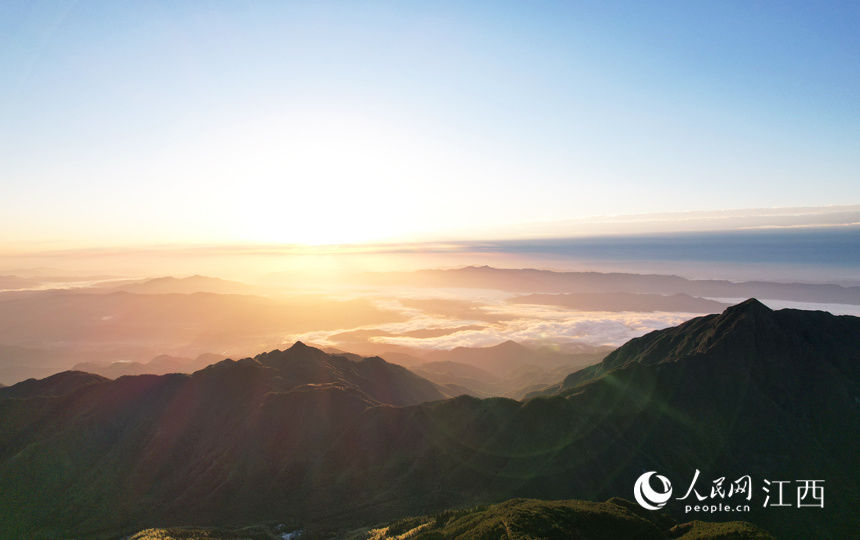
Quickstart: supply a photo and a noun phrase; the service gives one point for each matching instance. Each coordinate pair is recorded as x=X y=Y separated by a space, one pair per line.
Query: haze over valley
x=115 y=325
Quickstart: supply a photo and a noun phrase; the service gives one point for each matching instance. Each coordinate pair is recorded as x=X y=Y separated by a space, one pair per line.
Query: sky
x=336 y=122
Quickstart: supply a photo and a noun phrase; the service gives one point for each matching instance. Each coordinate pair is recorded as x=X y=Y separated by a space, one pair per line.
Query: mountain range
x=548 y=281
x=321 y=441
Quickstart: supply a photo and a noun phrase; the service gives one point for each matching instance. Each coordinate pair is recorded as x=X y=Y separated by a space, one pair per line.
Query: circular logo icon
x=647 y=497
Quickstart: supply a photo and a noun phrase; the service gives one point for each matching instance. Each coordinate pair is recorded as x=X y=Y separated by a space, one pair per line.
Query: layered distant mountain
x=546 y=281
x=161 y=364
x=624 y=302
x=319 y=441
x=504 y=358
x=187 y=285
x=47 y=279
x=509 y=369
x=91 y=324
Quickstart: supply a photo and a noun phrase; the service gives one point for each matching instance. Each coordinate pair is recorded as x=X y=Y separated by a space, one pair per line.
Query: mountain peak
x=509 y=345
x=300 y=351
x=299 y=346
x=750 y=306
x=748 y=334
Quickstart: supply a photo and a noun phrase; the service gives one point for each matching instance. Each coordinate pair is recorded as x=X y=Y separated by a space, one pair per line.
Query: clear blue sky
x=166 y=121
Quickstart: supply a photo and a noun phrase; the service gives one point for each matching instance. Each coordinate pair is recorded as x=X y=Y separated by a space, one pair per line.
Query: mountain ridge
x=748 y=330
x=303 y=455
x=55 y=385
x=524 y=519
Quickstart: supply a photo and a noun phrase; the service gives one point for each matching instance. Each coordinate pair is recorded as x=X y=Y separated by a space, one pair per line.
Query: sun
x=319 y=180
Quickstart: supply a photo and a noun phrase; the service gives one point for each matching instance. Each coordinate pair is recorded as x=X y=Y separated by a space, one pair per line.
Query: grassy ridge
x=515 y=519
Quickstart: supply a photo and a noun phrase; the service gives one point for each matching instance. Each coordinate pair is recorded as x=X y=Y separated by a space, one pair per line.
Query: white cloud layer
x=522 y=323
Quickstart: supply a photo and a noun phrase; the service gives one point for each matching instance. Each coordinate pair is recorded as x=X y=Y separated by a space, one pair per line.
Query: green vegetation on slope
x=531 y=519
x=751 y=391
x=515 y=519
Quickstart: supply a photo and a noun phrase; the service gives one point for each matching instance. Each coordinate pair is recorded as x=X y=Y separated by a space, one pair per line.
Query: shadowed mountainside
x=58 y=384
x=750 y=391
x=750 y=335
x=529 y=519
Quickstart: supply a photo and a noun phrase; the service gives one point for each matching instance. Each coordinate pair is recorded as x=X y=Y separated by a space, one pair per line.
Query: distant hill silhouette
x=545 y=281
x=307 y=438
x=623 y=301
x=161 y=364
x=510 y=356
x=187 y=285
x=509 y=369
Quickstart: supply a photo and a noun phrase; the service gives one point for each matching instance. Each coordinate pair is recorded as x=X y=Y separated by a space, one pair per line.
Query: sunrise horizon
x=332 y=270
x=595 y=226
